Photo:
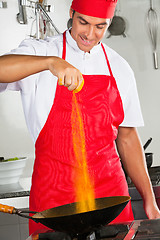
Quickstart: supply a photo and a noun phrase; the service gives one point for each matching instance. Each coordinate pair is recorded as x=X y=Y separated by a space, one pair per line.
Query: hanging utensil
x=117 y=27
x=152 y=21
x=22 y=15
x=118 y=24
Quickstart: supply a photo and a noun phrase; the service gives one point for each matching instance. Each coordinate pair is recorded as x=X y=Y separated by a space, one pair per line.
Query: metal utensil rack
x=39 y=9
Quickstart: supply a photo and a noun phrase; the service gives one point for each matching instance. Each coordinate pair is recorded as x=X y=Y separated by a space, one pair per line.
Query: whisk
x=152 y=21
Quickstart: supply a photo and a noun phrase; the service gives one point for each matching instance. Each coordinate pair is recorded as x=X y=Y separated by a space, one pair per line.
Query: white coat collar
x=74 y=45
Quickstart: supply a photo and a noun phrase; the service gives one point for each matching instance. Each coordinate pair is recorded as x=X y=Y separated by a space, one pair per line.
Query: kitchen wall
x=135 y=48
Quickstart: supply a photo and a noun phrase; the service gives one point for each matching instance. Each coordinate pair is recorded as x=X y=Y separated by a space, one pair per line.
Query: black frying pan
x=66 y=219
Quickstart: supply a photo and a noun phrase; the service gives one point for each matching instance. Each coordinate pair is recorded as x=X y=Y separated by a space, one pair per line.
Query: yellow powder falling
x=84 y=187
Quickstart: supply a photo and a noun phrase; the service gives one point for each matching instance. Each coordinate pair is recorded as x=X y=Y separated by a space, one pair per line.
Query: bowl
x=149 y=159
x=10 y=171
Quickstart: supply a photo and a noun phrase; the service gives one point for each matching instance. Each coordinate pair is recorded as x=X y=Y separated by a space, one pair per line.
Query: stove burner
x=54 y=235
x=117 y=231
x=137 y=230
x=149 y=229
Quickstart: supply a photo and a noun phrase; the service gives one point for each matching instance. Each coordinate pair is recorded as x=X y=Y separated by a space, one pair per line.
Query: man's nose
x=90 y=32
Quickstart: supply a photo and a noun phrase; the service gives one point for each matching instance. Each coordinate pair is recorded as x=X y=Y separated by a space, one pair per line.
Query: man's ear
x=71 y=12
x=110 y=21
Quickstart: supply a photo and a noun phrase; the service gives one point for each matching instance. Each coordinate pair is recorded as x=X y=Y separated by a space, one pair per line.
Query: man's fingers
x=73 y=81
x=73 y=84
x=61 y=81
x=67 y=80
x=80 y=85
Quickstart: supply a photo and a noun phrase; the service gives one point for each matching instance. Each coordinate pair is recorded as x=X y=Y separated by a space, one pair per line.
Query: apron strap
x=64 y=46
x=109 y=67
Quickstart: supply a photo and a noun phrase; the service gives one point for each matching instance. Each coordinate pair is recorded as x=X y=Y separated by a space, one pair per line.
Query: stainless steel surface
x=40 y=11
x=16 y=194
x=38 y=8
x=22 y=16
x=3 y=4
x=132 y=231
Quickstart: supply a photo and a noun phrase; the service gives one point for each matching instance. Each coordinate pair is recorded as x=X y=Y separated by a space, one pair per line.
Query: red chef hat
x=95 y=8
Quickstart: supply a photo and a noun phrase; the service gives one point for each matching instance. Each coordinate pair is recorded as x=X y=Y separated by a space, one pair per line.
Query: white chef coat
x=38 y=90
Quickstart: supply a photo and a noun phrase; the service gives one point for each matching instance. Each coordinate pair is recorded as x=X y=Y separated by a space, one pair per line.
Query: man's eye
x=101 y=26
x=83 y=23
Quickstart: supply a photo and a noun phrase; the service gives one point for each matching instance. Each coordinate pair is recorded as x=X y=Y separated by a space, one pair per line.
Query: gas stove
x=154 y=173
x=138 y=230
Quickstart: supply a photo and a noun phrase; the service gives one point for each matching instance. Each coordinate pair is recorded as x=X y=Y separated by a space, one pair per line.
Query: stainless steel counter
x=16 y=194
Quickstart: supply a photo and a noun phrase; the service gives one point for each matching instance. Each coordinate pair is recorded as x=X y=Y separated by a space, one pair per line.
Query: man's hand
x=151 y=209
x=68 y=75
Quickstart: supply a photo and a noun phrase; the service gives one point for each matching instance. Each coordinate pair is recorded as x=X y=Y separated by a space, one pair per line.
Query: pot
x=149 y=159
x=66 y=219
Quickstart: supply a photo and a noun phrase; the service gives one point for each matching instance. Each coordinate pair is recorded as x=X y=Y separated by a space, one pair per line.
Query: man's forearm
x=17 y=67
x=133 y=159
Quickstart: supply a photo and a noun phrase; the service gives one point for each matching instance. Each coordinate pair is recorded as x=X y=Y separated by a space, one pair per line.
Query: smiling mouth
x=86 y=42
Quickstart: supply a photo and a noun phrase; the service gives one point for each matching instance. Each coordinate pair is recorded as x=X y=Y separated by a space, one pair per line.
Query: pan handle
x=7 y=209
x=147 y=143
x=13 y=210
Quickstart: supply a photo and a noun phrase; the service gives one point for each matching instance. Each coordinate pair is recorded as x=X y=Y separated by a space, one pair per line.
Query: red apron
x=102 y=112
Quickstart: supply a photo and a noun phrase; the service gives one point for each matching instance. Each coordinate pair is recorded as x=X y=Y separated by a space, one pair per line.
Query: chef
x=46 y=72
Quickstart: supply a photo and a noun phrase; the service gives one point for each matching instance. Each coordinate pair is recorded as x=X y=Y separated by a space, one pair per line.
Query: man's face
x=87 y=31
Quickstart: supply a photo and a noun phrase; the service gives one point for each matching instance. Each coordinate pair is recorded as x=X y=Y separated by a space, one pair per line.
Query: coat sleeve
x=127 y=87
x=132 y=109
x=26 y=47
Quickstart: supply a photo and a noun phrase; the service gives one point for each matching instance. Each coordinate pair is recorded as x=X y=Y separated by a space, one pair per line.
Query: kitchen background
x=135 y=48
